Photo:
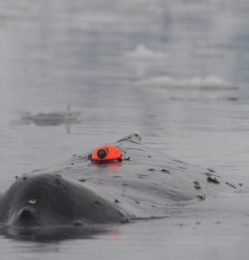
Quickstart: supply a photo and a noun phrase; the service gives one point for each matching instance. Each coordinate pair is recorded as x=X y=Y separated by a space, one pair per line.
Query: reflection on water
x=176 y=71
x=57 y=233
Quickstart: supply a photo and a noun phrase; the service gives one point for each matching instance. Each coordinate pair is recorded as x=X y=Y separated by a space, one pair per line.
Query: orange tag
x=106 y=152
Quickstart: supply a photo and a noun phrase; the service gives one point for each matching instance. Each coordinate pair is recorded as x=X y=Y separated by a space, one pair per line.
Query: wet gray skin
x=48 y=199
x=146 y=184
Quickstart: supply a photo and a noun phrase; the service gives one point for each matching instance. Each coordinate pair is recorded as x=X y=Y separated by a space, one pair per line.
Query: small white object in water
x=32 y=201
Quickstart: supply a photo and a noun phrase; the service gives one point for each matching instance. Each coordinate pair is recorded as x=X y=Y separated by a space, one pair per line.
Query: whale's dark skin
x=145 y=184
x=49 y=199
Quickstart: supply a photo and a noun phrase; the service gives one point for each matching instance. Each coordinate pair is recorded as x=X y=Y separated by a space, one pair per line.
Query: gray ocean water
x=175 y=71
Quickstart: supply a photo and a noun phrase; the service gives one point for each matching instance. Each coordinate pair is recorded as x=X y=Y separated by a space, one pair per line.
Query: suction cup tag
x=106 y=152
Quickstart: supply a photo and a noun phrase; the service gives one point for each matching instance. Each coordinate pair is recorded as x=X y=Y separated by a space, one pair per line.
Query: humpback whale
x=81 y=193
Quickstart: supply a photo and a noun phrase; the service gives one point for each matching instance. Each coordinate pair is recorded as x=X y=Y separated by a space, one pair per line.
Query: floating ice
x=142 y=52
x=209 y=82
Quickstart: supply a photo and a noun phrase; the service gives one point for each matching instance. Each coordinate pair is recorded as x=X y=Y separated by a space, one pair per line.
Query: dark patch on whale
x=49 y=200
